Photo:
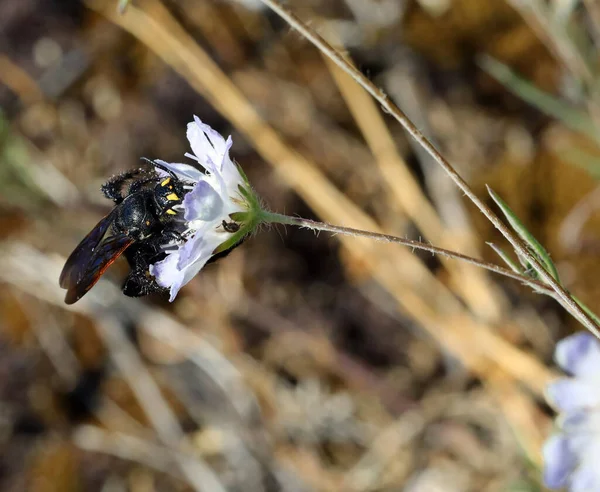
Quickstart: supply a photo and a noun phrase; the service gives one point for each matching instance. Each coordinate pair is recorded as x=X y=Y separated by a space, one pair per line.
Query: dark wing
x=79 y=259
x=104 y=255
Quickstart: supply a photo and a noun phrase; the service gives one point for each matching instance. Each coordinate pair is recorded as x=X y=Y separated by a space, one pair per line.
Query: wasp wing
x=79 y=259
x=104 y=255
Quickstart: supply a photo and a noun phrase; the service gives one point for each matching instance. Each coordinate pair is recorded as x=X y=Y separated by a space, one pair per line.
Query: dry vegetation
x=299 y=362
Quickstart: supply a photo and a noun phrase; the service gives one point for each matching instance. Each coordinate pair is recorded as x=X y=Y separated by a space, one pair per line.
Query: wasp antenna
x=159 y=165
x=149 y=161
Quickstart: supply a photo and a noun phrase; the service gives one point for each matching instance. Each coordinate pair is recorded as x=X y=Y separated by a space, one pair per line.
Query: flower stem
x=561 y=295
x=274 y=218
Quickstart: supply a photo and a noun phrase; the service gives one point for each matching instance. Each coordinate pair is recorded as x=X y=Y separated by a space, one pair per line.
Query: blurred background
x=300 y=361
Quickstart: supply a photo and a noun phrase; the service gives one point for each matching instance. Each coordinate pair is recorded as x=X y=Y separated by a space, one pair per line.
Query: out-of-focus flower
x=572 y=454
x=220 y=209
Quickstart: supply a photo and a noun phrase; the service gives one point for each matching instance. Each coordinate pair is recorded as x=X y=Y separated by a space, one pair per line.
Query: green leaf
x=507 y=259
x=587 y=310
x=572 y=117
x=534 y=245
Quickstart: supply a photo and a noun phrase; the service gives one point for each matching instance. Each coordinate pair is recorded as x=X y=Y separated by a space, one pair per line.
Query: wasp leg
x=171 y=237
x=140 y=183
x=112 y=189
x=139 y=282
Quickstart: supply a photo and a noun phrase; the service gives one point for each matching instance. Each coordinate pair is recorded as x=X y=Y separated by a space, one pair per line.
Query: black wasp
x=147 y=218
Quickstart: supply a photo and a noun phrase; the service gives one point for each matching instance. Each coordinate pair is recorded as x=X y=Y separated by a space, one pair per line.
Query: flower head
x=572 y=454
x=219 y=209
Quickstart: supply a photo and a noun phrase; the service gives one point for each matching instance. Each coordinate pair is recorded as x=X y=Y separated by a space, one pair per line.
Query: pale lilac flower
x=572 y=454
x=219 y=210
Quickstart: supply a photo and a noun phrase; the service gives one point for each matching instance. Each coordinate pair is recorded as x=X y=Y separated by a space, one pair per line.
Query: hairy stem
x=273 y=218
x=388 y=106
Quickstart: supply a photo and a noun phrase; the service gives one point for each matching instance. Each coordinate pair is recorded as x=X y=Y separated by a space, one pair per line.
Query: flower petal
x=181 y=266
x=579 y=355
x=582 y=425
x=216 y=139
x=204 y=152
x=168 y=275
x=231 y=175
x=559 y=462
x=586 y=477
x=184 y=171
x=568 y=394
x=195 y=249
x=202 y=203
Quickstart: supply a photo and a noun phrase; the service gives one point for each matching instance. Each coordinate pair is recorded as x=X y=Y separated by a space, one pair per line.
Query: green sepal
x=250 y=198
x=242 y=174
x=534 y=245
x=240 y=217
x=246 y=194
x=238 y=237
x=248 y=220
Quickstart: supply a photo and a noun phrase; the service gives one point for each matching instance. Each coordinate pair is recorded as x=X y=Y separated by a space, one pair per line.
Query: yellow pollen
x=171 y=212
x=172 y=197
x=147 y=222
x=166 y=182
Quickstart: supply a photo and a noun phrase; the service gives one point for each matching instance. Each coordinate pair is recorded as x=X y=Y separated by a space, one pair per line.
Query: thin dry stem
x=348 y=231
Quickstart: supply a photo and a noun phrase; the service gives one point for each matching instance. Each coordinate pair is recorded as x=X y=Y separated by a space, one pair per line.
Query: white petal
x=194 y=254
x=559 y=462
x=232 y=176
x=586 y=476
x=582 y=424
x=167 y=274
x=579 y=354
x=202 y=203
x=204 y=152
x=184 y=171
x=196 y=249
x=570 y=394
x=216 y=139
x=181 y=266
